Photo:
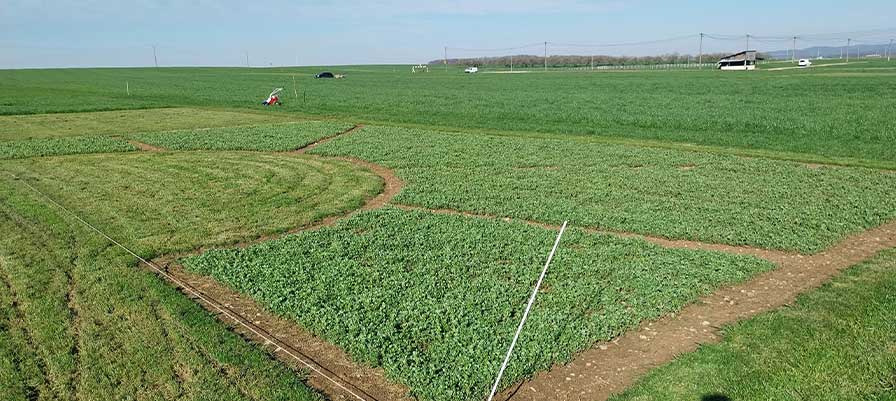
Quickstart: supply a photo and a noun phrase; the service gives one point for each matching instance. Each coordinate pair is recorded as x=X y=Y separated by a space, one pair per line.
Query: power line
x=527 y=46
x=647 y=42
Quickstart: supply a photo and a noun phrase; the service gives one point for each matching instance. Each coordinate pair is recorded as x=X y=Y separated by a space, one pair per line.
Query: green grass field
x=70 y=145
x=276 y=138
x=798 y=111
x=81 y=321
x=124 y=122
x=790 y=160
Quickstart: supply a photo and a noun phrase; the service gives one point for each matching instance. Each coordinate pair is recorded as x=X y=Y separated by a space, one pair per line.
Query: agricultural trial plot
x=675 y=194
x=409 y=236
x=278 y=137
x=434 y=299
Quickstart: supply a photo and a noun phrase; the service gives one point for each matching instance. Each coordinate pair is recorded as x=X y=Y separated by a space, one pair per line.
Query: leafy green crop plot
x=62 y=146
x=435 y=299
x=676 y=194
x=276 y=137
x=836 y=343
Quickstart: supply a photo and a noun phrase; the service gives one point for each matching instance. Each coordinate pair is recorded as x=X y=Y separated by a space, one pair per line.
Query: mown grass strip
x=135 y=336
x=835 y=343
x=62 y=146
x=434 y=299
x=671 y=193
x=124 y=122
x=90 y=325
x=275 y=137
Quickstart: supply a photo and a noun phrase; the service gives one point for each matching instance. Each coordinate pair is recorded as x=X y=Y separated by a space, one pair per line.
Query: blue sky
x=35 y=33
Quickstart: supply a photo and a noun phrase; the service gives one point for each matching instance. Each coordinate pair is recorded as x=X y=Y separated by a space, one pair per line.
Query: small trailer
x=743 y=61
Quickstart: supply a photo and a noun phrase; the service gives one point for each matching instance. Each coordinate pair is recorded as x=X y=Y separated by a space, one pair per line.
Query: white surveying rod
x=519 y=329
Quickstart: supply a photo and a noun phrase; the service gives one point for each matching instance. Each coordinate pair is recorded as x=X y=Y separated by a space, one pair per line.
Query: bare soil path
x=609 y=368
x=145 y=146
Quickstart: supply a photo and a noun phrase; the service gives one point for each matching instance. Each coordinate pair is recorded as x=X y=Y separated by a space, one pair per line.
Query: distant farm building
x=742 y=61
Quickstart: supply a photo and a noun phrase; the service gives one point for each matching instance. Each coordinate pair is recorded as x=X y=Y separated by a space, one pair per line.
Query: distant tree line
x=567 y=61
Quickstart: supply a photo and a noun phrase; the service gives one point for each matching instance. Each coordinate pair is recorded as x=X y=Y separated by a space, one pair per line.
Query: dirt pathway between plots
x=145 y=146
x=594 y=374
x=609 y=368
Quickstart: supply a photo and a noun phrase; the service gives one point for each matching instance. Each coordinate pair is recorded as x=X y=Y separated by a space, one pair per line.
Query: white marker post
x=519 y=329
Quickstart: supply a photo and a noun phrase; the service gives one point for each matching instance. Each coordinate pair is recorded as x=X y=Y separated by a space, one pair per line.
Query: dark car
x=325 y=74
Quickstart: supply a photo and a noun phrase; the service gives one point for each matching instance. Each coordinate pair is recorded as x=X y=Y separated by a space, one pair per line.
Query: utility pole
x=154 y=57
x=701 y=50
x=592 y=62
x=511 y=63
x=247 y=59
x=545 y=56
x=793 y=58
x=446 y=58
x=848 y=44
x=888 y=49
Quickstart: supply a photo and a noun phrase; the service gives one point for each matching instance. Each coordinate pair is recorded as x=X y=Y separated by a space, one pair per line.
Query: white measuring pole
x=519 y=329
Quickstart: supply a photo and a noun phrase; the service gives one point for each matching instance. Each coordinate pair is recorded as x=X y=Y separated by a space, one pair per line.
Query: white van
x=804 y=63
x=471 y=70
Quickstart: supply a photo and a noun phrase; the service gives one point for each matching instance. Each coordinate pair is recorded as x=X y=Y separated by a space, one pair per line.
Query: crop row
x=274 y=137
x=670 y=193
x=434 y=299
x=62 y=146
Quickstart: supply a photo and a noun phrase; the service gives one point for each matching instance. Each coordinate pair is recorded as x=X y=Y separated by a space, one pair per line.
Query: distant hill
x=831 y=51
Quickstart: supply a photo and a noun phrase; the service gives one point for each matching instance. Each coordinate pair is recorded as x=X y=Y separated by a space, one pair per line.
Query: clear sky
x=36 y=33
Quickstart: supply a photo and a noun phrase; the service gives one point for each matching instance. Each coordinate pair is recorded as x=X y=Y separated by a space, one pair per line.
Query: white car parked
x=471 y=70
x=804 y=63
